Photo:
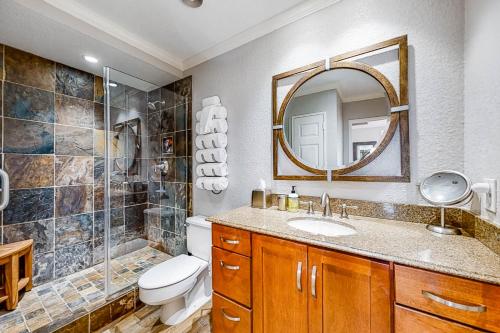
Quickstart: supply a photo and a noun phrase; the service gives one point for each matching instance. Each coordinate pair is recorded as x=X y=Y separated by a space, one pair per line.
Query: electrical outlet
x=491 y=196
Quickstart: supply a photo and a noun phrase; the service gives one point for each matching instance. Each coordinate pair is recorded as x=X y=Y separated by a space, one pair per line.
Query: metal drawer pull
x=229 y=241
x=230 y=267
x=299 y=276
x=313 y=282
x=451 y=304
x=228 y=317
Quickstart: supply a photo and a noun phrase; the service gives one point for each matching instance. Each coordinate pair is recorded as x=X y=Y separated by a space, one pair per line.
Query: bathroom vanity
x=388 y=276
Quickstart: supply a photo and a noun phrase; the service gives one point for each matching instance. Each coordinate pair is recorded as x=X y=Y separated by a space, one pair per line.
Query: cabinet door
x=280 y=290
x=348 y=294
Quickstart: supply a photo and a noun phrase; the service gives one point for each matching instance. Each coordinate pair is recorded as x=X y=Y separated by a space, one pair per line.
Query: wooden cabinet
x=470 y=302
x=408 y=321
x=228 y=316
x=264 y=284
x=348 y=293
x=231 y=276
x=280 y=290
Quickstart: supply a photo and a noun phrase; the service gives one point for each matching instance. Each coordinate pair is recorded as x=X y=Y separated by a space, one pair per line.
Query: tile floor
x=68 y=298
x=147 y=320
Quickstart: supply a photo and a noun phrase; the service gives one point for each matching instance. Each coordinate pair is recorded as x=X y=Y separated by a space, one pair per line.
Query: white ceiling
x=154 y=39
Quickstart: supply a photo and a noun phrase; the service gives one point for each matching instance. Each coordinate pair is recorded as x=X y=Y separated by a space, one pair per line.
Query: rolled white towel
x=219 y=112
x=212 y=183
x=211 y=170
x=216 y=155
x=216 y=126
x=214 y=100
x=215 y=140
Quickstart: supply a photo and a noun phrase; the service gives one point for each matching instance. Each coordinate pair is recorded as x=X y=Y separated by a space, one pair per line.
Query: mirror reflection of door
x=308 y=138
x=354 y=110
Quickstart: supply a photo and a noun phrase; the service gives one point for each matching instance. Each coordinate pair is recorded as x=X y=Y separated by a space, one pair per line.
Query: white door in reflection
x=308 y=138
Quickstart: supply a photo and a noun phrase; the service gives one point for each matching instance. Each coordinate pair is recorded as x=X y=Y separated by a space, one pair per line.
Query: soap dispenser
x=293 y=201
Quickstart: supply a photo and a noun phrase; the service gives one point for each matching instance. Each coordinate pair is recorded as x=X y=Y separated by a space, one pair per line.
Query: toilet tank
x=199 y=237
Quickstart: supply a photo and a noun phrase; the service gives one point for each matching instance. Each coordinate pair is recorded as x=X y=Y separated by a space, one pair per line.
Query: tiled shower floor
x=75 y=295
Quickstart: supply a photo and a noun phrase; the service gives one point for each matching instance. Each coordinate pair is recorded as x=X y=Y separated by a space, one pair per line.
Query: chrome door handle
x=228 y=317
x=229 y=241
x=313 y=282
x=230 y=267
x=451 y=304
x=4 y=201
x=299 y=276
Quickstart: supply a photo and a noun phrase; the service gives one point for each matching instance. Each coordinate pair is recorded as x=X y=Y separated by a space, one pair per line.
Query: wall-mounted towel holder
x=209 y=157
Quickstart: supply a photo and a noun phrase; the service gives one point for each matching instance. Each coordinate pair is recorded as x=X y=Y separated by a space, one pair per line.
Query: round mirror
x=125 y=145
x=336 y=118
x=446 y=188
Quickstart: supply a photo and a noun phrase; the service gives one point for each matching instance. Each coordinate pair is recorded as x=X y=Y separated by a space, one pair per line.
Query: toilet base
x=176 y=312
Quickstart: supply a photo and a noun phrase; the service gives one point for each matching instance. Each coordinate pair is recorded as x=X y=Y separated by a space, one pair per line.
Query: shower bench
x=10 y=254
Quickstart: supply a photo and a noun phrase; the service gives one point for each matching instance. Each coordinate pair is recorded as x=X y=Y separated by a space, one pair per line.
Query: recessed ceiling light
x=193 y=3
x=90 y=59
x=112 y=84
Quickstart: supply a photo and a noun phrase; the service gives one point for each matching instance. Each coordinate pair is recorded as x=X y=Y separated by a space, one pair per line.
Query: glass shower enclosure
x=126 y=165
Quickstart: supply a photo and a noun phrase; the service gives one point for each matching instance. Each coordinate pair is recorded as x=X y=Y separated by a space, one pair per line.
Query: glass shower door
x=125 y=138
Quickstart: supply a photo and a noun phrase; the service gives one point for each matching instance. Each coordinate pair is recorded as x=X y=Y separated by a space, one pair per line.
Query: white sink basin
x=321 y=226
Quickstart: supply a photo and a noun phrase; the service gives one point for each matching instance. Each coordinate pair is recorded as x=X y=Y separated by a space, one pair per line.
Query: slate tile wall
x=53 y=149
x=170 y=192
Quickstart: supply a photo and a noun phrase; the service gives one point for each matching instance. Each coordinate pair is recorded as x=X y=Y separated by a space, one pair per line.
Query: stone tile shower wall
x=170 y=193
x=53 y=149
x=49 y=152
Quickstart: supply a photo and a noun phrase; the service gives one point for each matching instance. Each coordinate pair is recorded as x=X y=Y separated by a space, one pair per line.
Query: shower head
x=193 y=3
x=152 y=105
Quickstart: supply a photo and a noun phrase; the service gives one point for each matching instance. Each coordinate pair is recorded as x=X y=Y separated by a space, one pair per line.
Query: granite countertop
x=401 y=242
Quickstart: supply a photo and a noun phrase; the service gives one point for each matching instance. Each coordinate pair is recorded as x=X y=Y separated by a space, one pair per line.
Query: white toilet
x=184 y=283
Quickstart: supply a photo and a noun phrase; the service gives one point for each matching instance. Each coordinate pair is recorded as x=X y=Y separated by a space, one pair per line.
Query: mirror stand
x=443 y=228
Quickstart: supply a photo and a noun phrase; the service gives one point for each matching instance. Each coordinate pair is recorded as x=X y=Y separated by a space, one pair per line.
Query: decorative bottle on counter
x=293 y=201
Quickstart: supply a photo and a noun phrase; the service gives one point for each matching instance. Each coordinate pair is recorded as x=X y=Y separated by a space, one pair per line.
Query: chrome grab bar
x=451 y=304
x=313 y=282
x=299 y=276
x=229 y=241
x=230 y=267
x=4 y=201
x=228 y=317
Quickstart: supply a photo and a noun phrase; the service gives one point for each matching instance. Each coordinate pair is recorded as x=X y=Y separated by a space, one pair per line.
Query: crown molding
x=274 y=23
x=77 y=17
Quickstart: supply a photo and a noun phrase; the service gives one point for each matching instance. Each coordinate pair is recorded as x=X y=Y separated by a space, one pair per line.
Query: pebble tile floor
x=77 y=294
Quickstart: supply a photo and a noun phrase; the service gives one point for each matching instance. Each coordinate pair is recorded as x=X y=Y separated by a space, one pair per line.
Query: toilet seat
x=171 y=272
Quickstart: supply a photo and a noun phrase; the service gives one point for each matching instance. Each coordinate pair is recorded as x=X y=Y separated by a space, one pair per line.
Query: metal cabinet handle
x=229 y=241
x=313 y=282
x=4 y=177
x=228 y=317
x=451 y=304
x=299 y=276
x=230 y=267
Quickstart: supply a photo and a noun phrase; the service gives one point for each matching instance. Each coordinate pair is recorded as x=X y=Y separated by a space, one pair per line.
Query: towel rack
x=213 y=101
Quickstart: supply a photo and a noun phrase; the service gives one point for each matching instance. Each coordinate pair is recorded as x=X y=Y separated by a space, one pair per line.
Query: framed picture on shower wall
x=167 y=145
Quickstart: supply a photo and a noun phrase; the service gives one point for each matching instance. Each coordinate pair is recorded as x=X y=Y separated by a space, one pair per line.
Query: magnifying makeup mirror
x=444 y=189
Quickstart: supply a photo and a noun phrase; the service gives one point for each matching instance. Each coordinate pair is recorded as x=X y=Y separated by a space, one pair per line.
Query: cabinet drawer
x=408 y=320
x=231 y=275
x=470 y=302
x=228 y=316
x=232 y=239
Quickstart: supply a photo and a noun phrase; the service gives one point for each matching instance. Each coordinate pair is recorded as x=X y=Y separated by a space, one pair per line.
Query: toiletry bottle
x=293 y=201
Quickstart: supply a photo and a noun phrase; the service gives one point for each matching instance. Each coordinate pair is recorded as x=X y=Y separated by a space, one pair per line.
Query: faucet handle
x=310 y=207
x=343 y=212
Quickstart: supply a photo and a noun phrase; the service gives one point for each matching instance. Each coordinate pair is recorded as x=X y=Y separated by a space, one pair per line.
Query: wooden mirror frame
x=396 y=118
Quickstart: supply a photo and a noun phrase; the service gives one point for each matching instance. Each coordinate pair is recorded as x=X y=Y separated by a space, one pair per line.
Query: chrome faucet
x=343 y=211
x=325 y=204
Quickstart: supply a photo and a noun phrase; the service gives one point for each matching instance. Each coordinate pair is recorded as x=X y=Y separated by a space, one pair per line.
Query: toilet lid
x=170 y=272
